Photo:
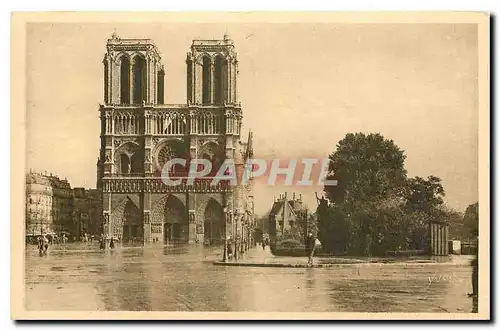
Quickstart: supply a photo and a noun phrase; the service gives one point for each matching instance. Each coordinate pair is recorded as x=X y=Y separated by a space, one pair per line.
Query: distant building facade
x=86 y=212
x=62 y=203
x=48 y=204
x=140 y=134
x=287 y=219
x=39 y=216
x=53 y=207
x=94 y=226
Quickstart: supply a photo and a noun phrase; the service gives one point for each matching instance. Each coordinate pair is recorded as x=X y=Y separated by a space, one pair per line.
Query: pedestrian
x=45 y=244
x=310 y=246
x=264 y=244
x=102 y=243
x=111 y=243
x=40 y=245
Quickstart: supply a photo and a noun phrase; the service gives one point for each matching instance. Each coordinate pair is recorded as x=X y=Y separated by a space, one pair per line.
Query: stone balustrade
x=156 y=185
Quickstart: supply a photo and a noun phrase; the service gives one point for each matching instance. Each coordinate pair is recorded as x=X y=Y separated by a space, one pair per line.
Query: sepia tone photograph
x=250 y=165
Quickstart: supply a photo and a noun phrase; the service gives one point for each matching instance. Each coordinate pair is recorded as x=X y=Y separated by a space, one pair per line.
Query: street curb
x=245 y=264
x=332 y=265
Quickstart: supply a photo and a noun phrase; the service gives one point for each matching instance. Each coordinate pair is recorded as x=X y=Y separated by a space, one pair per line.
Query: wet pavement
x=158 y=278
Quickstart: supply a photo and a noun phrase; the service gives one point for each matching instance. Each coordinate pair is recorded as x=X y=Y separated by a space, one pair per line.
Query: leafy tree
x=366 y=167
x=341 y=230
x=453 y=218
x=312 y=223
x=374 y=208
x=424 y=195
x=369 y=170
x=471 y=220
x=324 y=223
x=334 y=228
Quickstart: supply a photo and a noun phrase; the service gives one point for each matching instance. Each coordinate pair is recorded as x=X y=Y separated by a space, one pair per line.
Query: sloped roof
x=276 y=207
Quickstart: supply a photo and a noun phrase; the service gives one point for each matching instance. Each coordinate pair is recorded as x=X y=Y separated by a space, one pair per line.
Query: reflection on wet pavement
x=157 y=278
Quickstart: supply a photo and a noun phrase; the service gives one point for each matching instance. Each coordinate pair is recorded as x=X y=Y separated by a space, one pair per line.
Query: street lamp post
x=250 y=233
x=242 y=242
x=247 y=231
x=224 y=256
x=236 y=234
x=227 y=215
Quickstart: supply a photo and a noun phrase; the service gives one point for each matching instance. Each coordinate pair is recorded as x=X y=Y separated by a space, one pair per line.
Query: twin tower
x=140 y=133
x=133 y=73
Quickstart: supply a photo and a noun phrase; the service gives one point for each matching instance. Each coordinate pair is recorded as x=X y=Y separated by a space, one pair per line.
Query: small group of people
x=43 y=244
x=312 y=243
x=102 y=243
x=265 y=242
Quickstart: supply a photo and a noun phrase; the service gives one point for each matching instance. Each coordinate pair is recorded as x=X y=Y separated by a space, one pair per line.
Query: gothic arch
x=213 y=222
x=126 y=220
x=218 y=54
x=211 y=146
x=135 y=55
x=124 y=79
x=220 y=79
x=139 y=78
x=128 y=158
x=121 y=55
x=206 y=79
x=160 y=86
x=171 y=213
x=199 y=58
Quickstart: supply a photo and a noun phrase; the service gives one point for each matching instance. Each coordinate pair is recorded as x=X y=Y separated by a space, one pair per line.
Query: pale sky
x=302 y=88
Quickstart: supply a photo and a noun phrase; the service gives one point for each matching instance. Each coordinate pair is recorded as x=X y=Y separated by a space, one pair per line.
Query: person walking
x=40 y=245
x=45 y=244
x=111 y=243
x=310 y=246
x=102 y=243
x=229 y=250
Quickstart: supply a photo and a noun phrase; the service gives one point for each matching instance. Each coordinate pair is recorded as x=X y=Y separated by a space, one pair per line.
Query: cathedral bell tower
x=133 y=74
x=212 y=68
x=133 y=85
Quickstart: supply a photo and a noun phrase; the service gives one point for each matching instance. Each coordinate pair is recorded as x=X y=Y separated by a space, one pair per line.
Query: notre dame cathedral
x=140 y=133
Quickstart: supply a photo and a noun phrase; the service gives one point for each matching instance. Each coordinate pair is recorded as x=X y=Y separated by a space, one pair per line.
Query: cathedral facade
x=140 y=134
